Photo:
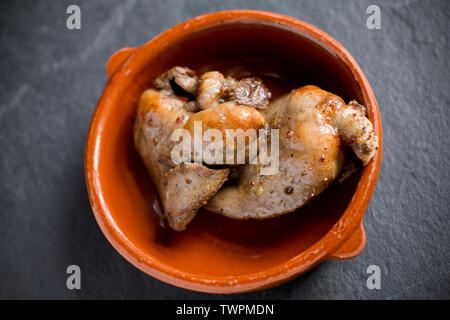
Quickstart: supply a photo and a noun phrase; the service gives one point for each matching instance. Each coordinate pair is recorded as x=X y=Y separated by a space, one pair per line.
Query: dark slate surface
x=51 y=79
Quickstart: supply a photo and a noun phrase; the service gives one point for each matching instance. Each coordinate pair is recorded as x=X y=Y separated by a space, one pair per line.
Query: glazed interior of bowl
x=215 y=246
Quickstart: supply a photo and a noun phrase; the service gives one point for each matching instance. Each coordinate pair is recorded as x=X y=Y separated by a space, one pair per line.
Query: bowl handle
x=353 y=246
x=117 y=59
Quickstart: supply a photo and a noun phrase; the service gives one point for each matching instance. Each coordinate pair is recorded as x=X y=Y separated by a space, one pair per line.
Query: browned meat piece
x=355 y=129
x=210 y=89
x=214 y=89
x=159 y=114
x=191 y=106
x=229 y=115
x=250 y=92
x=189 y=187
x=183 y=77
x=315 y=127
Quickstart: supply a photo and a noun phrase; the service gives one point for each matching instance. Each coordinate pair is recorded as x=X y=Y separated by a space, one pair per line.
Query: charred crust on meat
x=180 y=81
x=250 y=92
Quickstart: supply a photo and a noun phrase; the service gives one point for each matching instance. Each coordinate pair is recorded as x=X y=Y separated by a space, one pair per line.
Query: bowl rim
x=346 y=238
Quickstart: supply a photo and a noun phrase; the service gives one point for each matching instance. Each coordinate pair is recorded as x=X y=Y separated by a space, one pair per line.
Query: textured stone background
x=51 y=79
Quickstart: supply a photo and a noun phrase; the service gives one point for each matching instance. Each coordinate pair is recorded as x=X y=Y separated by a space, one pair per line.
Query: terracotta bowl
x=216 y=254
